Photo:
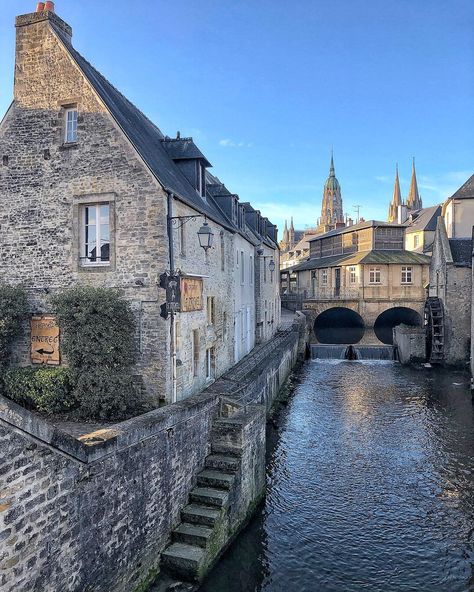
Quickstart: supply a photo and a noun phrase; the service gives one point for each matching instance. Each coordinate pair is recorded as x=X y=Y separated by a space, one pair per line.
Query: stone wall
x=94 y=515
x=410 y=343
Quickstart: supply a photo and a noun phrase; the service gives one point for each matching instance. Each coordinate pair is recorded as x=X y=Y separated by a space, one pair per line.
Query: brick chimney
x=34 y=40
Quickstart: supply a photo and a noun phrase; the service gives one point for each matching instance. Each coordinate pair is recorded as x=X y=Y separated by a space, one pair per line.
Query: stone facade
x=46 y=182
x=95 y=515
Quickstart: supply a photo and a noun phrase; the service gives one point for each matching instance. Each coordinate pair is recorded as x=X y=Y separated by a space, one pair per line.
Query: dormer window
x=201 y=179
x=70 y=125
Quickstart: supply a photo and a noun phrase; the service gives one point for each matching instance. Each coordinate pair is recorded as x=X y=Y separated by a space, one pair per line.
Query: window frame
x=67 y=110
x=407 y=272
x=84 y=260
x=352 y=271
x=211 y=310
x=210 y=363
x=324 y=277
x=375 y=276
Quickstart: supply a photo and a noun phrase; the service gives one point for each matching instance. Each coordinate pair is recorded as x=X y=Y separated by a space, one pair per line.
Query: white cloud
x=228 y=143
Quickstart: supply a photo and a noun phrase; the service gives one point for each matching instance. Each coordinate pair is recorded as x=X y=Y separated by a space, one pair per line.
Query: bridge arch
x=387 y=320
x=339 y=325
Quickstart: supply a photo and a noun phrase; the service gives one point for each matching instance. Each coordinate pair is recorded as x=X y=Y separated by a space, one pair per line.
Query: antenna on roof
x=357 y=209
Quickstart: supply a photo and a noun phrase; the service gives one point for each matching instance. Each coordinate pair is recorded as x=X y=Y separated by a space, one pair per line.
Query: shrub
x=98 y=328
x=44 y=389
x=106 y=394
x=13 y=310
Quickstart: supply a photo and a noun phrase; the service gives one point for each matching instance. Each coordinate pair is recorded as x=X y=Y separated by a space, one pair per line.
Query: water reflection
x=370 y=487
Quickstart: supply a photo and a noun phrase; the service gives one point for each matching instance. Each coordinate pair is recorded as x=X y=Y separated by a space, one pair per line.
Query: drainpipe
x=174 y=392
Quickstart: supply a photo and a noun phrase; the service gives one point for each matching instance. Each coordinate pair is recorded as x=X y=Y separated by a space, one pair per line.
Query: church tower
x=396 y=200
x=284 y=243
x=331 y=211
x=291 y=234
x=414 y=200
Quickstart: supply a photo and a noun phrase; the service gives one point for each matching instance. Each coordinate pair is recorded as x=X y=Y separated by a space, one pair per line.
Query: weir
x=352 y=352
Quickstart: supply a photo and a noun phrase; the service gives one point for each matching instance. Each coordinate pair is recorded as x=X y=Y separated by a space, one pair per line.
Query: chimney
x=402 y=214
x=49 y=6
x=40 y=7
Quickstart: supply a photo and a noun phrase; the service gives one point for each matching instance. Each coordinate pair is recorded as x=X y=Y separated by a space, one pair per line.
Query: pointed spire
x=332 y=170
x=291 y=225
x=396 y=199
x=414 y=200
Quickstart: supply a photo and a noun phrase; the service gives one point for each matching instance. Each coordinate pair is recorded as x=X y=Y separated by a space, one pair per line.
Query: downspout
x=174 y=392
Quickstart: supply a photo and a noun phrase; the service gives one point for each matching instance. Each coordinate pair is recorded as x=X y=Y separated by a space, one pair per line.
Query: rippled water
x=370 y=487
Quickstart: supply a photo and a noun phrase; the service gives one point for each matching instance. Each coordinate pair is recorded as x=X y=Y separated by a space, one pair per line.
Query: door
x=337 y=282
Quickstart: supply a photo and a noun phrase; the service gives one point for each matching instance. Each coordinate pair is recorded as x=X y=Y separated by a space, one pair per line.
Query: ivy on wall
x=13 y=311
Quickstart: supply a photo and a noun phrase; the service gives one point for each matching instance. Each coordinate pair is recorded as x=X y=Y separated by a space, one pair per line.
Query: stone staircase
x=205 y=525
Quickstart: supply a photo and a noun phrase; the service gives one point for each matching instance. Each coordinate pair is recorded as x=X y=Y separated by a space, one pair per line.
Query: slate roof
x=183 y=149
x=354 y=227
x=461 y=250
x=426 y=220
x=375 y=257
x=466 y=191
x=145 y=136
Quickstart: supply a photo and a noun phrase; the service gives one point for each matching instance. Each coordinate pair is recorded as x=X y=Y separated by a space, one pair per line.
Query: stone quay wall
x=94 y=514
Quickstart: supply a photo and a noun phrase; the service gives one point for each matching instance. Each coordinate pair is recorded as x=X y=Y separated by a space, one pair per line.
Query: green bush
x=13 y=311
x=106 y=394
x=45 y=389
x=98 y=328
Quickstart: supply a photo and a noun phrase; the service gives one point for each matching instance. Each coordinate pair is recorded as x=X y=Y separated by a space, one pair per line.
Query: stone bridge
x=369 y=322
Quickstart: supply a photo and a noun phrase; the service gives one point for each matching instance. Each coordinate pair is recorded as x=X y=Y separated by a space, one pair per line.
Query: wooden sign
x=191 y=294
x=45 y=340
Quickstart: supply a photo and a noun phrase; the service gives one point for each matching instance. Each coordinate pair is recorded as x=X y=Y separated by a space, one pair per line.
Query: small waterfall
x=352 y=352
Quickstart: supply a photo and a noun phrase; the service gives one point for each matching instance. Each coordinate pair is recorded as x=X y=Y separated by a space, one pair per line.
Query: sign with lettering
x=45 y=340
x=191 y=294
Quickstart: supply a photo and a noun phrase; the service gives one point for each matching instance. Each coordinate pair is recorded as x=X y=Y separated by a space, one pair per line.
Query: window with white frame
x=95 y=234
x=251 y=270
x=211 y=310
x=242 y=268
x=374 y=275
x=210 y=363
x=407 y=275
x=352 y=274
x=416 y=241
x=70 y=125
x=324 y=277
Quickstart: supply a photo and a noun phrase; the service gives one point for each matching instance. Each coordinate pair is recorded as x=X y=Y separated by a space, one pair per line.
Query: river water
x=370 y=487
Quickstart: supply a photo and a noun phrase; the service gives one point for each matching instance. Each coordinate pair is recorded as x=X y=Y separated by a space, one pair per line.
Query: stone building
x=399 y=210
x=93 y=193
x=449 y=306
x=363 y=269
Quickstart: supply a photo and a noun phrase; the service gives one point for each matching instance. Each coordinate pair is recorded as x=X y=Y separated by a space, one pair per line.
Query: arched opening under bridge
x=386 y=321
x=339 y=325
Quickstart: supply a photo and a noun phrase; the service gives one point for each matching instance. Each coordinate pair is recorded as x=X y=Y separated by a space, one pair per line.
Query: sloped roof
x=466 y=191
x=461 y=250
x=144 y=135
x=425 y=220
x=183 y=149
x=376 y=257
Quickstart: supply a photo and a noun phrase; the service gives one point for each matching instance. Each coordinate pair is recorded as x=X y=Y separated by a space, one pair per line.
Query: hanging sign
x=45 y=340
x=191 y=294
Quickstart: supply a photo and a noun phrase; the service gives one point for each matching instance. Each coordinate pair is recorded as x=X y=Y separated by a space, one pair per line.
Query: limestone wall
x=94 y=515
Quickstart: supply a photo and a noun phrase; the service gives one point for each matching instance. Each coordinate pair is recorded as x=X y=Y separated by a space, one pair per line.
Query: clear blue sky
x=266 y=87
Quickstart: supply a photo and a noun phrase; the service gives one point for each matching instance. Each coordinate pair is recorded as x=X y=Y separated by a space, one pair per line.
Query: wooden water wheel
x=434 y=324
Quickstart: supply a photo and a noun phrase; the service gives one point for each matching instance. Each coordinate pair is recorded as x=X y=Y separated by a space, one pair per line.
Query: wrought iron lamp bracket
x=179 y=221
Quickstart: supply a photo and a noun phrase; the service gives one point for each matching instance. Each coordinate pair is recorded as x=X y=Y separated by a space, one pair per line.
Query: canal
x=370 y=487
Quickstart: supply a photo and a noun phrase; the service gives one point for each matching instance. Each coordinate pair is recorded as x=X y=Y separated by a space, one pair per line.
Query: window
x=70 y=127
x=210 y=363
x=211 y=310
x=407 y=275
x=224 y=325
x=324 y=277
x=95 y=234
x=195 y=345
x=374 y=275
x=251 y=270
x=264 y=269
x=182 y=241
x=416 y=241
x=242 y=268
x=352 y=274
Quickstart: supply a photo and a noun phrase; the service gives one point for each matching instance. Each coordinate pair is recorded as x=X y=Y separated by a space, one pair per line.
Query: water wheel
x=434 y=324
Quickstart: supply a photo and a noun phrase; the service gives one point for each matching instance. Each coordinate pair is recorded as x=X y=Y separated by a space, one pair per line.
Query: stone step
x=225 y=449
x=200 y=514
x=184 y=561
x=192 y=534
x=217 y=479
x=220 y=461
x=208 y=496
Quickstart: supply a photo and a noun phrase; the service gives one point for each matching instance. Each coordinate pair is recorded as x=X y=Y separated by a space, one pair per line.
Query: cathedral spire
x=331 y=211
x=396 y=199
x=414 y=200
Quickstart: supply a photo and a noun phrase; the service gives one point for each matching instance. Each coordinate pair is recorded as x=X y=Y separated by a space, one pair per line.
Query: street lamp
x=271 y=266
x=206 y=236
